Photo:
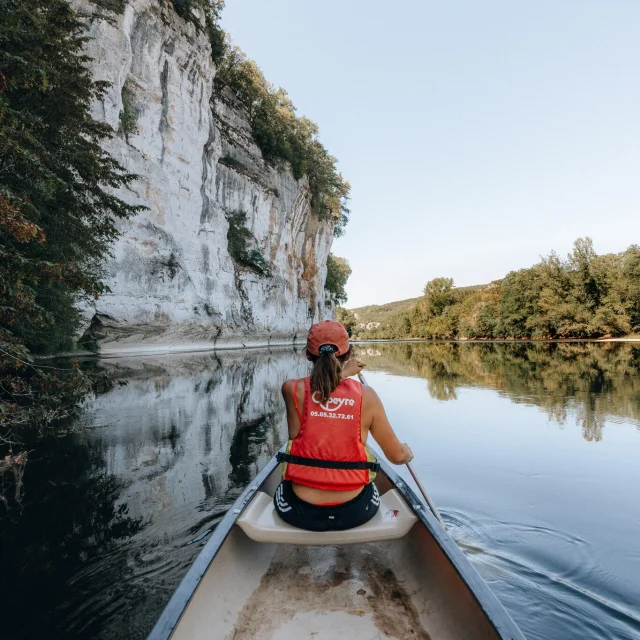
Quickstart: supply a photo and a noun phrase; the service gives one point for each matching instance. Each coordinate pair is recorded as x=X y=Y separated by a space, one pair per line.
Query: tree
x=347 y=318
x=555 y=313
x=212 y=10
x=438 y=295
x=478 y=313
x=581 y=260
x=338 y=272
x=517 y=304
x=631 y=275
x=583 y=296
x=58 y=207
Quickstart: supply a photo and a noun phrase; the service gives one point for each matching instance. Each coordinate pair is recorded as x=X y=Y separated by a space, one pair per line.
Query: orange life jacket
x=328 y=453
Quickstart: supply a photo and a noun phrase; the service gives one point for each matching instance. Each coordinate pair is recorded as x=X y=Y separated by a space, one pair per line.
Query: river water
x=531 y=451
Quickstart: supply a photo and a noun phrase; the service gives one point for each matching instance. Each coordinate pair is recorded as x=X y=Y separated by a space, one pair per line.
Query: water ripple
x=548 y=579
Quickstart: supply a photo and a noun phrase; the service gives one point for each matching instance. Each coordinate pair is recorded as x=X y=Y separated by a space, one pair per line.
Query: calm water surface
x=532 y=453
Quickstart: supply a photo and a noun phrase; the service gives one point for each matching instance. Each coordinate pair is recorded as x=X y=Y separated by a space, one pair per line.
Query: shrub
x=128 y=116
x=117 y=6
x=239 y=241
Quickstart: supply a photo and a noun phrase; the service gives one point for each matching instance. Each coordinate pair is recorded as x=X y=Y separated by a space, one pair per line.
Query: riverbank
x=176 y=348
x=499 y=340
x=196 y=347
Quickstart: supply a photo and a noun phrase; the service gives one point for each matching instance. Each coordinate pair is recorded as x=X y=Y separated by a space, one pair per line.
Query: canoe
x=398 y=576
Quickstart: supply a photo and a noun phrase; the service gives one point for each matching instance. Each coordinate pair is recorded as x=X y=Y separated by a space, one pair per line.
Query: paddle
x=423 y=491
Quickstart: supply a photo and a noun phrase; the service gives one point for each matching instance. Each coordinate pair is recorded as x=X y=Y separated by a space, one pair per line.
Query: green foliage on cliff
x=128 y=116
x=583 y=296
x=338 y=272
x=212 y=10
x=188 y=10
x=241 y=244
x=57 y=208
x=283 y=135
x=117 y=6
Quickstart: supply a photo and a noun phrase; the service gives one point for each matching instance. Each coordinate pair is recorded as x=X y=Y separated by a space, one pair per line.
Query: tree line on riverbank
x=583 y=296
x=58 y=215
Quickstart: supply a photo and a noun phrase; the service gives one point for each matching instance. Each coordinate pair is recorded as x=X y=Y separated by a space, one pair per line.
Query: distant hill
x=373 y=315
x=376 y=315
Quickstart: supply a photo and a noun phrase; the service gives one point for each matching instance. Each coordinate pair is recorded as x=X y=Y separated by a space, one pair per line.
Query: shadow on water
x=71 y=518
x=113 y=515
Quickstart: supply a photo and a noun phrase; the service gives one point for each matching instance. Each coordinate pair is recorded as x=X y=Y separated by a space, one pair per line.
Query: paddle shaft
x=423 y=491
x=414 y=475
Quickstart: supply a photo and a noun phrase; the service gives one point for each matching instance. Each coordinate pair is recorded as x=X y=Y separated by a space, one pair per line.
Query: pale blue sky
x=477 y=135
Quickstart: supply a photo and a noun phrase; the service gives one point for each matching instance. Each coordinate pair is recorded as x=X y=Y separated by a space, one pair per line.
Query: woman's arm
x=382 y=432
x=293 y=420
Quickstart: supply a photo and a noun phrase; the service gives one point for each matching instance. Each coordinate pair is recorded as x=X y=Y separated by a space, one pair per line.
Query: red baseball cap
x=328 y=332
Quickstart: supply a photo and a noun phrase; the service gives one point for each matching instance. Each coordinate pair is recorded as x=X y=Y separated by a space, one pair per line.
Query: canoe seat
x=261 y=522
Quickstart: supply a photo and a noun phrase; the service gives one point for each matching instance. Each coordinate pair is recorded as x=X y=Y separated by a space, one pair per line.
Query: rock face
x=173 y=282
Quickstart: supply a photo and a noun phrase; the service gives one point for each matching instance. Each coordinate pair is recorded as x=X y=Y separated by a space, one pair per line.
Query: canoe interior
x=401 y=589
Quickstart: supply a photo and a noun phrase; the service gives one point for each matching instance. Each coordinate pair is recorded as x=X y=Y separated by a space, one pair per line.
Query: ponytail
x=327 y=371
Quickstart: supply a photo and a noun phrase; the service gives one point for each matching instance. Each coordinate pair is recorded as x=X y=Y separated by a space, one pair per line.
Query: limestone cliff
x=173 y=283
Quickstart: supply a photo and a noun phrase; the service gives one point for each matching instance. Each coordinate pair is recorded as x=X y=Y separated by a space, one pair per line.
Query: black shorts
x=339 y=517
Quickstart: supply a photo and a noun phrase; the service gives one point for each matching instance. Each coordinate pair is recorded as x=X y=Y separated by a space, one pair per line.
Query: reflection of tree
x=182 y=435
x=587 y=380
x=69 y=520
x=246 y=446
x=442 y=389
x=251 y=436
x=592 y=422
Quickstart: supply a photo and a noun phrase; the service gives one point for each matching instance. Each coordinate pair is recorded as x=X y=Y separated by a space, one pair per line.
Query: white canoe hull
x=418 y=586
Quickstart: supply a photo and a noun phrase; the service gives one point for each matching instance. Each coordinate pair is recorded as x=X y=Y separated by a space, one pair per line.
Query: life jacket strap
x=326 y=464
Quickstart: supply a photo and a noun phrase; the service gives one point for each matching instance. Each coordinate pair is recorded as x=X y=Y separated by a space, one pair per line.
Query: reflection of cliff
x=220 y=413
x=181 y=435
x=589 y=382
x=118 y=512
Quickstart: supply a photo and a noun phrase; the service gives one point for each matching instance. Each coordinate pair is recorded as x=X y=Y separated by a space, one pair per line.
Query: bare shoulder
x=369 y=394
x=371 y=403
x=287 y=387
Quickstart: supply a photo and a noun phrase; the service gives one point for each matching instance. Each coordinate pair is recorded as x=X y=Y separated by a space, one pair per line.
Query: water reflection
x=71 y=518
x=114 y=515
x=583 y=383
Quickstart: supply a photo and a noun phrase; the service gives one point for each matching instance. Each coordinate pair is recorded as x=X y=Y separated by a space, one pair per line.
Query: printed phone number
x=324 y=414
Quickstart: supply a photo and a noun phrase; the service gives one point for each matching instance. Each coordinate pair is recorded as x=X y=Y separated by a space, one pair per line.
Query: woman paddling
x=329 y=470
